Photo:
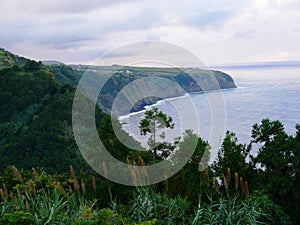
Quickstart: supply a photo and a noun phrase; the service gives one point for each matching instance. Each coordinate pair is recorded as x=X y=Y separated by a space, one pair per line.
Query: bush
x=19 y=217
x=148 y=205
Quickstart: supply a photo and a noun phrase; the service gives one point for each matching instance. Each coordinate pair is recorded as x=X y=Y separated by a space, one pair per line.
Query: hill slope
x=36 y=121
x=188 y=80
x=7 y=59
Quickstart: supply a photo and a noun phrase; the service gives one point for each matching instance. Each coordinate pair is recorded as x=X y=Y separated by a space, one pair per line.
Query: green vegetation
x=154 y=121
x=8 y=59
x=64 y=74
x=35 y=121
x=35 y=132
x=35 y=197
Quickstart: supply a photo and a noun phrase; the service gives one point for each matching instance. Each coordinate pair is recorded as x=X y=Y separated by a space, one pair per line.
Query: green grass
x=38 y=198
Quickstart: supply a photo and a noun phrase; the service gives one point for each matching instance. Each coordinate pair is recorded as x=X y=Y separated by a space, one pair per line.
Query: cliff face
x=197 y=80
x=185 y=80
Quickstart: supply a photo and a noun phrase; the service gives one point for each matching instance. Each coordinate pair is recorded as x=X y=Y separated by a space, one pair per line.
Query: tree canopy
x=152 y=124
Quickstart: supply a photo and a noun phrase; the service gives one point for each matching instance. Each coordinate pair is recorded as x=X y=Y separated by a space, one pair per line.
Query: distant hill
x=51 y=62
x=188 y=80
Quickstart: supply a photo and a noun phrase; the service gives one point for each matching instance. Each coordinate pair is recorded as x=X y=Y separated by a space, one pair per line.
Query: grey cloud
x=66 y=6
x=67 y=31
x=94 y=26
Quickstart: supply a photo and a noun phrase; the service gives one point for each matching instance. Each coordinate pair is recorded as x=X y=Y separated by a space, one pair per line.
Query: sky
x=218 y=32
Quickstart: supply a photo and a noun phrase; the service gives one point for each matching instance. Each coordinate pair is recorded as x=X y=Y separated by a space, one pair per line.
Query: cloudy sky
x=218 y=32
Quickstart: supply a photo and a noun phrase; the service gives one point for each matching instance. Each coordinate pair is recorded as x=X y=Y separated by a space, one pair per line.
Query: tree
x=153 y=122
x=232 y=155
x=191 y=142
x=32 y=65
x=279 y=163
x=297 y=165
x=190 y=174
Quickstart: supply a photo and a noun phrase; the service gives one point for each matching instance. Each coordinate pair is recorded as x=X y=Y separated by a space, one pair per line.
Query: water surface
x=261 y=93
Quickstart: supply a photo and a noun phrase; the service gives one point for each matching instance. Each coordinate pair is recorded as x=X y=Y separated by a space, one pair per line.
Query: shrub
x=18 y=217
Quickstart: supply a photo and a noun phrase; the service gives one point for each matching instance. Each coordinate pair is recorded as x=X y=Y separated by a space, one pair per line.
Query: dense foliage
x=274 y=170
x=65 y=74
x=35 y=121
x=7 y=59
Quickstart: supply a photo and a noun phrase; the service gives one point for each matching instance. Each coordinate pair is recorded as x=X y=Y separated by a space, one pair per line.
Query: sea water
x=272 y=93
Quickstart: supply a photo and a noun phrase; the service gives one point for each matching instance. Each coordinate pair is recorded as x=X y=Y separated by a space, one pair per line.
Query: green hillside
x=65 y=74
x=35 y=121
x=8 y=59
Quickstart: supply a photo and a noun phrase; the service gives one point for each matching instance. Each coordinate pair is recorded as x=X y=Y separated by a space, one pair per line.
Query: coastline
x=145 y=107
x=159 y=102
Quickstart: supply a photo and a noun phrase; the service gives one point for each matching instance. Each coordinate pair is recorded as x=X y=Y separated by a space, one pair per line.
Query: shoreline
x=159 y=102
x=145 y=107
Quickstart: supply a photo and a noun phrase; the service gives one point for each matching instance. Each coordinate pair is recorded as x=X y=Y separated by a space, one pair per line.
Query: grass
x=39 y=198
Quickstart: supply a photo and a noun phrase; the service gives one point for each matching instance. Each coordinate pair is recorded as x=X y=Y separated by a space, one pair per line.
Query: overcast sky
x=218 y=32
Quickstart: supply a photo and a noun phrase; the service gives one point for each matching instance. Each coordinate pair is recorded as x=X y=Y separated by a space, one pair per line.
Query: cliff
x=188 y=79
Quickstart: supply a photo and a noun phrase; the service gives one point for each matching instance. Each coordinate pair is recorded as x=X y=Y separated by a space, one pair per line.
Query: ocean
x=272 y=93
